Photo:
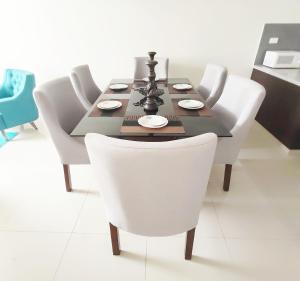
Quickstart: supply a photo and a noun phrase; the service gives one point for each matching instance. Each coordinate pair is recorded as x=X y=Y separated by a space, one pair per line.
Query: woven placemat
x=203 y=112
x=131 y=126
x=174 y=91
x=119 y=112
x=111 y=92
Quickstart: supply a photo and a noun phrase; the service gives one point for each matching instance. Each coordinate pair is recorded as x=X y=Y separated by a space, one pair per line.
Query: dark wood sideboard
x=280 y=111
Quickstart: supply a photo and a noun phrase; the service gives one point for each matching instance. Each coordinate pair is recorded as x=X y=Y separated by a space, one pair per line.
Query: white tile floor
x=250 y=233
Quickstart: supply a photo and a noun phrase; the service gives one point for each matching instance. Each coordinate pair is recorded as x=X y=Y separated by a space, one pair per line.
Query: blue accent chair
x=17 y=106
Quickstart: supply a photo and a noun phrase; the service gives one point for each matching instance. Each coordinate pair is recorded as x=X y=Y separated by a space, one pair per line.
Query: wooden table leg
x=67 y=177
x=189 y=244
x=227 y=177
x=114 y=235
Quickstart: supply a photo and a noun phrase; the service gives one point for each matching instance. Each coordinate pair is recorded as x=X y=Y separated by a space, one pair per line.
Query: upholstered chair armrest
x=6 y=104
x=10 y=104
x=20 y=108
x=16 y=97
x=3 y=101
x=2 y=122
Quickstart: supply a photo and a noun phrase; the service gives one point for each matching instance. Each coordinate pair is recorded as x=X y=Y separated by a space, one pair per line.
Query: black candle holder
x=158 y=100
x=152 y=92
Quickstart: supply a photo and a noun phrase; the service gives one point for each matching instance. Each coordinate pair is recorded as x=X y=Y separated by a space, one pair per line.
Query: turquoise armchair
x=17 y=106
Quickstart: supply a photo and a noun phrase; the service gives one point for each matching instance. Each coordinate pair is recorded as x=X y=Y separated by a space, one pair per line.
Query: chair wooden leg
x=4 y=135
x=227 y=176
x=67 y=177
x=189 y=244
x=33 y=125
x=114 y=235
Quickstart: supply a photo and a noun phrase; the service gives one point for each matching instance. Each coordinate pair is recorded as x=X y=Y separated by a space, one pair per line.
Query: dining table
x=123 y=122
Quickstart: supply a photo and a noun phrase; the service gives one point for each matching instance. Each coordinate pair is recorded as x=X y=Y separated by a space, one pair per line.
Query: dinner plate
x=182 y=87
x=109 y=104
x=118 y=87
x=191 y=104
x=153 y=121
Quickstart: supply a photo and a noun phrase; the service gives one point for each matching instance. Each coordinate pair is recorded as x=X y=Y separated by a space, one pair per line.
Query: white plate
x=153 y=121
x=109 y=104
x=182 y=87
x=191 y=104
x=118 y=87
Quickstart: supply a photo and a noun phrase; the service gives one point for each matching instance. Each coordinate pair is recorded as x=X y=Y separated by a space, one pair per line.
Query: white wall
x=48 y=37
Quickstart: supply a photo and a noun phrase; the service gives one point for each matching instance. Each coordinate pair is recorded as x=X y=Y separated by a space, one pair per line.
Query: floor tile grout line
x=79 y=213
x=218 y=219
x=226 y=238
x=34 y=231
x=146 y=255
x=69 y=238
x=297 y=237
x=62 y=256
x=85 y=195
x=222 y=231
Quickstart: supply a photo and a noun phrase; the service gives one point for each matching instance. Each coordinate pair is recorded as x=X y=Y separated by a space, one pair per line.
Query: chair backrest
x=84 y=85
x=16 y=81
x=238 y=106
x=141 y=70
x=152 y=188
x=212 y=83
x=16 y=98
x=61 y=110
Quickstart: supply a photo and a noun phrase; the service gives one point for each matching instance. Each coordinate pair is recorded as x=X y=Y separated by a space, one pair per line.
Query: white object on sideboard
x=282 y=59
x=273 y=40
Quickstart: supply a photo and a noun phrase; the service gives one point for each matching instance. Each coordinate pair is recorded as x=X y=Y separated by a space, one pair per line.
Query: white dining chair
x=141 y=70
x=152 y=188
x=62 y=111
x=84 y=85
x=236 y=108
x=212 y=83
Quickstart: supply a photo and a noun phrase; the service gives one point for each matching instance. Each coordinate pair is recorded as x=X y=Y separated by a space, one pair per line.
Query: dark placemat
x=126 y=91
x=131 y=126
x=174 y=91
x=203 y=112
x=119 y=112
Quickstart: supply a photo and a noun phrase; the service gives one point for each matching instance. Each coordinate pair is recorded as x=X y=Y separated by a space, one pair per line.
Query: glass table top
x=115 y=123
